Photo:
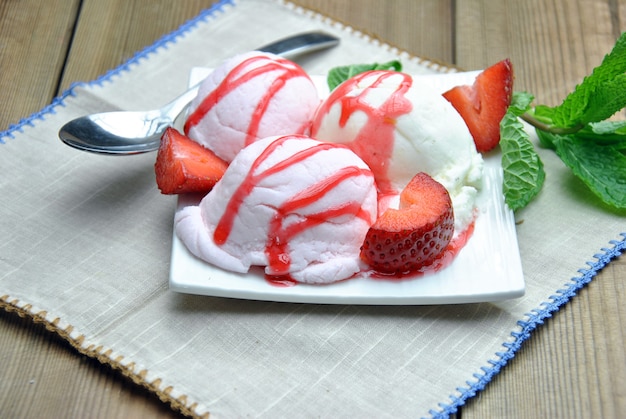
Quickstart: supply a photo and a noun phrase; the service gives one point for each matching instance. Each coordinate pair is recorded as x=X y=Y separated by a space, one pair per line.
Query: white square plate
x=488 y=268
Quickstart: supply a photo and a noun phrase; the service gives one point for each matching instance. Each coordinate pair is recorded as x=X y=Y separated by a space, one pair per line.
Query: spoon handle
x=300 y=44
x=286 y=47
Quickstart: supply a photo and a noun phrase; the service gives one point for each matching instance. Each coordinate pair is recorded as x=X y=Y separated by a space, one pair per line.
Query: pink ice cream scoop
x=251 y=96
x=296 y=206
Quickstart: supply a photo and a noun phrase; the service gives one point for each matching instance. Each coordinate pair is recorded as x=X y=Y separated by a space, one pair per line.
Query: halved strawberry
x=183 y=165
x=483 y=104
x=411 y=237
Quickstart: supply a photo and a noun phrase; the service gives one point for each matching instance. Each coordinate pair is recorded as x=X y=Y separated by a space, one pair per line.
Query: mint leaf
x=606 y=133
x=602 y=133
x=607 y=99
x=520 y=103
x=338 y=75
x=523 y=169
x=601 y=167
x=600 y=95
x=609 y=128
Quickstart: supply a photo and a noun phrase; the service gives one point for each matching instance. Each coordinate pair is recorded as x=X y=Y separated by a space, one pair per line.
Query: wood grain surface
x=574 y=366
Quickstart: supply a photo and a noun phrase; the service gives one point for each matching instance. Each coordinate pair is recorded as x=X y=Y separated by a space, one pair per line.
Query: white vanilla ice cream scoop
x=297 y=206
x=249 y=97
x=401 y=127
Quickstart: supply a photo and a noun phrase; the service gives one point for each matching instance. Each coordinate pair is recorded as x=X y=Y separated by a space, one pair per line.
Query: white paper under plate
x=488 y=268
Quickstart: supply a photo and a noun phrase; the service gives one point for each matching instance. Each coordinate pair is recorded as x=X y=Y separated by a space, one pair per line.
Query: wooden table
x=573 y=366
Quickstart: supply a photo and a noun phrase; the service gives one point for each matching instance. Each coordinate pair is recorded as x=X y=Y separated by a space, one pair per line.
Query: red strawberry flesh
x=413 y=236
x=184 y=166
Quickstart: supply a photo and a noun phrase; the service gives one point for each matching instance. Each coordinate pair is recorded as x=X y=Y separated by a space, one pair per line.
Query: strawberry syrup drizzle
x=442 y=261
x=237 y=77
x=375 y=141
x=277 y=245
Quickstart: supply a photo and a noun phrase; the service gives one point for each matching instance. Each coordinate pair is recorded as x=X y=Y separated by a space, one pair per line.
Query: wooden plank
x=538 y=37
x=573 y=366
x=42 y=376
x=422 y=28
x=35 y=38
x=111 y=32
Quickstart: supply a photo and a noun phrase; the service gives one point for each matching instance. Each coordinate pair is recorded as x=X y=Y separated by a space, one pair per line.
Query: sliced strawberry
x=483 y=104
x=409 y=238
x=183 y=165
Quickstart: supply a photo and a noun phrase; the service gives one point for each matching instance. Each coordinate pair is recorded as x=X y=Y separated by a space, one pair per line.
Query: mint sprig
x=580 y=134
x=338 y=75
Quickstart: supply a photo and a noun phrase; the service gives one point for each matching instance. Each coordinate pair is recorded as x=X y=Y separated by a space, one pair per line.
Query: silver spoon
x=133 y=132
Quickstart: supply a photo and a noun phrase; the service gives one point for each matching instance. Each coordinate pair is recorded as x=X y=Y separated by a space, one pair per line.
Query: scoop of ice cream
x=400 y=127
x=249 y=97
x=295 y=205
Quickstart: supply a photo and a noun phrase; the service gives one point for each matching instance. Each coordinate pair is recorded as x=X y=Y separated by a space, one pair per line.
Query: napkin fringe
x=533 y=320
x=37 y=116
x=103 y=355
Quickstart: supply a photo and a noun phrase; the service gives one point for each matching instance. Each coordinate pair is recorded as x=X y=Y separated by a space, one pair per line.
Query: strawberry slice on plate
x=483 y=104
x=411 y=237
x=184 y=166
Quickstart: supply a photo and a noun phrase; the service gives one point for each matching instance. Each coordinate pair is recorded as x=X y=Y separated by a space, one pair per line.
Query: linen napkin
x=86 y=243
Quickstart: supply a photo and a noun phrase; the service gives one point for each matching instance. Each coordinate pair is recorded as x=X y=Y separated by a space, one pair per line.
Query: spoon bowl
x=121 y=132
x=134 y=132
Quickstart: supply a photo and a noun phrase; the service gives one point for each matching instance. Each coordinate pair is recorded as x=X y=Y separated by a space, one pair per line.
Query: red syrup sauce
x=442 y=261
x=281 y=281
x=375 y=141
x=241 y=75
x=279 y=236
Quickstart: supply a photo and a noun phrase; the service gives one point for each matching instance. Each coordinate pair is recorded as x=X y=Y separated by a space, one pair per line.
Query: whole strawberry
x=411 y=237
